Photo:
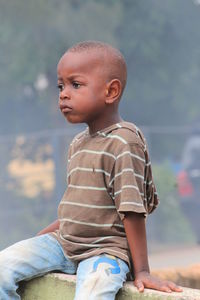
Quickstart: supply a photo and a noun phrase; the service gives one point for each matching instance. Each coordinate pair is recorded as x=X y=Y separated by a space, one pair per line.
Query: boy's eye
x=76 y=85
x=60 y=87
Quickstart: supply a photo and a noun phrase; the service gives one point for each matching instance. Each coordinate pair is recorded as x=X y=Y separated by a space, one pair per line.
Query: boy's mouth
x=65 y=108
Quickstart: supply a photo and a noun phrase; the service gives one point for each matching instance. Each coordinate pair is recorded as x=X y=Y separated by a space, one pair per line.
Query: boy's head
x=91 y=79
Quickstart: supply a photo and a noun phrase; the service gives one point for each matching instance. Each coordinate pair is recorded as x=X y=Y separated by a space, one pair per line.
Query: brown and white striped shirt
x=109 y=174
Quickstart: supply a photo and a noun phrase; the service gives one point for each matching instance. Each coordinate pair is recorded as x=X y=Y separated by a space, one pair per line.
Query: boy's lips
x=65 y=108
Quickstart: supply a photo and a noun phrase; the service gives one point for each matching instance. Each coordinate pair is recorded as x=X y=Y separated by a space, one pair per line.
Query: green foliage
x=168 y=224
x=38 y=32
x=160 y=41
x=33 y=36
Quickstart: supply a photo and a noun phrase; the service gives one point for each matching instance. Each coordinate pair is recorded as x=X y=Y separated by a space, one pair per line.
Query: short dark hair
x=117 y=64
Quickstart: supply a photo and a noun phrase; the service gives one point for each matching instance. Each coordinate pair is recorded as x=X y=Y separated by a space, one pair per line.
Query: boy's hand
x=146 y=280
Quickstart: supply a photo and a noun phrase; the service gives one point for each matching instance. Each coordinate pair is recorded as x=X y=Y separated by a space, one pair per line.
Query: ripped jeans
x=98 y=277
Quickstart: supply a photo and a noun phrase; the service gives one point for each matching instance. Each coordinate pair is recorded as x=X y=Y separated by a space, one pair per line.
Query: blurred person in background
x=189 y=180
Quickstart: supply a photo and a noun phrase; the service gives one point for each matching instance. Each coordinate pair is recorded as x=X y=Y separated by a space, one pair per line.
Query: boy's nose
x=64 y=94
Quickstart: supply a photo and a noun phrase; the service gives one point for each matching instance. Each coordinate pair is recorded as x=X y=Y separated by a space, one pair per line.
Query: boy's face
x=82 y=86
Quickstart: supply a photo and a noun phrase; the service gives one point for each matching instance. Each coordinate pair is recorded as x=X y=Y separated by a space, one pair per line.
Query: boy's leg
x=100 y=278
x=30 y=258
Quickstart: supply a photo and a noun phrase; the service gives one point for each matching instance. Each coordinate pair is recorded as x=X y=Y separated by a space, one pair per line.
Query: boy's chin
x=72 y=119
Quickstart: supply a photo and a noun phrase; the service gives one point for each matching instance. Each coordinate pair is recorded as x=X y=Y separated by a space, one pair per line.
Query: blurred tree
x=160 y=40
x=33 y=36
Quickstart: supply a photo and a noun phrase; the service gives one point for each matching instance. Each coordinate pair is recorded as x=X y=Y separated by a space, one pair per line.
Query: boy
x=100 y=231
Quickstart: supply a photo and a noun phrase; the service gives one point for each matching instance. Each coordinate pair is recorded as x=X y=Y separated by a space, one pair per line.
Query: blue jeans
x=98 y=277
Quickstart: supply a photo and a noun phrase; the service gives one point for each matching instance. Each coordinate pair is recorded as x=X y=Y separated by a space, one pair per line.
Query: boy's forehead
x=80 y=61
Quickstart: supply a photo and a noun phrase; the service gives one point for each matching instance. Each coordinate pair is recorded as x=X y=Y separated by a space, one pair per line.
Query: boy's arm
x=135 y=229
x=50 y=228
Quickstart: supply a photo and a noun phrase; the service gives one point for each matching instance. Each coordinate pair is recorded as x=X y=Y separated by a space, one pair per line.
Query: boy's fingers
x=170 y=287
x=154 y=283
x=159 y=286
x=165 y=289
x=139 y=285
x=174 y=287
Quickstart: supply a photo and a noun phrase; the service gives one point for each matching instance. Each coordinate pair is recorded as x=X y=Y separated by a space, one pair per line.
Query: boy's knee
x=99 y=279
x=105 y=278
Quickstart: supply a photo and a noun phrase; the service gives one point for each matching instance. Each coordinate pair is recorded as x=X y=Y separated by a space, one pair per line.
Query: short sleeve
x=150 y=193
x=128 y=180
x=68 y=162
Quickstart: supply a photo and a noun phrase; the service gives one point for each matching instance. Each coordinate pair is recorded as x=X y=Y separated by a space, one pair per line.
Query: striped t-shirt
x=109 y=174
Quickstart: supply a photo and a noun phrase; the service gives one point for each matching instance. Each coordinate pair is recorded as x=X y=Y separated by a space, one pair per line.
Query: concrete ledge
x=57 y=286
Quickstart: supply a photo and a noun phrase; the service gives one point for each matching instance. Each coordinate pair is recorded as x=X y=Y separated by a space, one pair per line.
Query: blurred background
x=161 y=43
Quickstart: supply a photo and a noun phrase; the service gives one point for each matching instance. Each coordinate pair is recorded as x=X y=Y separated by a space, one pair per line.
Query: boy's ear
x=113 y=91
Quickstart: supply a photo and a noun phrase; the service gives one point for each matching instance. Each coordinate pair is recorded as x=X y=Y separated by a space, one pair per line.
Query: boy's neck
x=94 y=127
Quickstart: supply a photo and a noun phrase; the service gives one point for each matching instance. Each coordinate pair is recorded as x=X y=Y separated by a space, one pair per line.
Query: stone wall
x=56 y=286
